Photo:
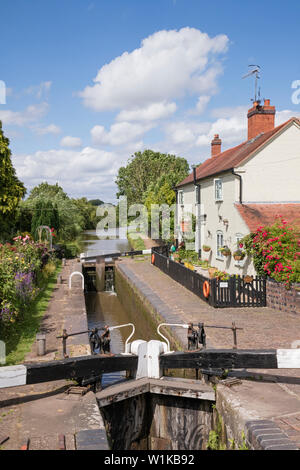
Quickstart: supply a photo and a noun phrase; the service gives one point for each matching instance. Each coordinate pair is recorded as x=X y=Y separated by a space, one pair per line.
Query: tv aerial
x=255 y=71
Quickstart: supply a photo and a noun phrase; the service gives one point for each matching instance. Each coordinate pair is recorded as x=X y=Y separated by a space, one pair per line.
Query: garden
x=28 y=272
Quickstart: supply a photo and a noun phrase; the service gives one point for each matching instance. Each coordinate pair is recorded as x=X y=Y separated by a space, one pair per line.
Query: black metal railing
x=237 y=291
x=192 y=280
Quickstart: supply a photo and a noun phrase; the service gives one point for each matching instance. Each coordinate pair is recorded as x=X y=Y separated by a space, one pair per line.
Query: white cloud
x=201 y=104
x=152 y=112
x=168 y=65
x=85 y=172
x=185 y=132
x=119 y=134
x=22 y=118
x=285 y=115
x=39 y=90
x=50 y=129
x=71 y=142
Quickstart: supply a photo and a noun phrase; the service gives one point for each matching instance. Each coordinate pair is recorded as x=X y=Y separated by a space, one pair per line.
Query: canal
x=165 y=417
x=105 y=308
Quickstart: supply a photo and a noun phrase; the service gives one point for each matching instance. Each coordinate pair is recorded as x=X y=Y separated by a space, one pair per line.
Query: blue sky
x=89 y=82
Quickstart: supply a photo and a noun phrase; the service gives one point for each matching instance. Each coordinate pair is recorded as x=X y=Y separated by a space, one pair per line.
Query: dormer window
x=218 y=189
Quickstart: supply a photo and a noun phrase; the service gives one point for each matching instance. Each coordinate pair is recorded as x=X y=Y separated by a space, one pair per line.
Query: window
x=218 y=190
x=180 y=197
x=220 y=243
x=238 y=238
x=197 y=194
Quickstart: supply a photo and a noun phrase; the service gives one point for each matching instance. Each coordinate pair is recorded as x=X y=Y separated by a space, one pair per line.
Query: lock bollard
x=41 y=344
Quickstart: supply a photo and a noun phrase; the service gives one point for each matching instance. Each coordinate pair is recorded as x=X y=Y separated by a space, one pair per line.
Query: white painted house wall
x=273 y=175
x=217 y=215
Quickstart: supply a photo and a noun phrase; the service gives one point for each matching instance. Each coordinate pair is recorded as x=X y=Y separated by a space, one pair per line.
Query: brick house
x=236 y=190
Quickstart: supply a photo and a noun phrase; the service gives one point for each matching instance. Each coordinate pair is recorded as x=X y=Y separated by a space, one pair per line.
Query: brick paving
x=263 y=328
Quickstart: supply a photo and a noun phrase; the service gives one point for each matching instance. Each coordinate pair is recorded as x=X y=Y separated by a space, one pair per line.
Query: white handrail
x=130 y=336
x=182 y=325
x=70 y=279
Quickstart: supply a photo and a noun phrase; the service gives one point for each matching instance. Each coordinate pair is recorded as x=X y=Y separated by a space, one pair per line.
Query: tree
x=47 y=191
x=57 y=209
x=144 y=169
x=87 y=211
x=45 y=213
x=96 y=202
x=12 y=190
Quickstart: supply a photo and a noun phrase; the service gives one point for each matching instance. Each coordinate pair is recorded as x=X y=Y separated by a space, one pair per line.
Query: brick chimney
x=261 y=118
x=216 y=146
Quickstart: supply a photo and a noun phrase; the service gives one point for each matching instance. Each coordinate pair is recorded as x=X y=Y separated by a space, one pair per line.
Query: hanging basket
x=225 y=251
x=239 y=255
x=206 y=248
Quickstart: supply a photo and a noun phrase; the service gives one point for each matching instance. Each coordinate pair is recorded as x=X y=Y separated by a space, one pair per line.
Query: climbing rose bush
x=275 y=251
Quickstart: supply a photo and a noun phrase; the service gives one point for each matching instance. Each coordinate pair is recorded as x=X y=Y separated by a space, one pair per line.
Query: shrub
x=21 y=264
x=275 y=251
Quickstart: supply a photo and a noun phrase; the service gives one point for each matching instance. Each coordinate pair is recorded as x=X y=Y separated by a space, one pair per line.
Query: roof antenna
x=255 y=71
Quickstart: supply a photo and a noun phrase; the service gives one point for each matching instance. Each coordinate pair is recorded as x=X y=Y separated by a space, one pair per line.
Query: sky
x=90 y=82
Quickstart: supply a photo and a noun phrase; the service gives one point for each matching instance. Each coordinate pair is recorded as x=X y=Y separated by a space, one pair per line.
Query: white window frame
x=197 y=191
x=217 y=196
x=180 y=198
x=219 y=255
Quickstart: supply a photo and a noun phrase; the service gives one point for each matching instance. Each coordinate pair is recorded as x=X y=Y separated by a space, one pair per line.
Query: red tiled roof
x=233 y=157
x=265 y=214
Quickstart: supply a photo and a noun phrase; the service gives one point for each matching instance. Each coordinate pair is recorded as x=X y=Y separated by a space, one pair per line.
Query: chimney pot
x=261 y=119
x=216 y=145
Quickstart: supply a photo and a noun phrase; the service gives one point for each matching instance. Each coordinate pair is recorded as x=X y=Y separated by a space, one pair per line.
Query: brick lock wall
x=283 y=299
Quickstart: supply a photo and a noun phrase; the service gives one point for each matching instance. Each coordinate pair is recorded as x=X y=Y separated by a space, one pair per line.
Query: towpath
x=274 y=394
x=43 y=412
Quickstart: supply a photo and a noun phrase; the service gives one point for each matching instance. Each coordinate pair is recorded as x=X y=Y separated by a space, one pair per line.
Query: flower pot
x=211 y=272
x=206 y=248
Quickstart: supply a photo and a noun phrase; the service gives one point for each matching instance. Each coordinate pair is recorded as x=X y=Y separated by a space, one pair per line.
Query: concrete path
x=43 y=412
x=276 y=393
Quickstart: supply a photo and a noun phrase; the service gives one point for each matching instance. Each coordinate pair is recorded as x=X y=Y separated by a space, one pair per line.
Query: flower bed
x=21 y=264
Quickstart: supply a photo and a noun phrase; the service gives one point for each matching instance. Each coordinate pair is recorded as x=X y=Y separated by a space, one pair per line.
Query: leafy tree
x=87 y=211
x=96 y=202
x=45 y=213
x=57 y=208
x=144 y=169
x=12 y=190
x=161 y=192
x=47 y=191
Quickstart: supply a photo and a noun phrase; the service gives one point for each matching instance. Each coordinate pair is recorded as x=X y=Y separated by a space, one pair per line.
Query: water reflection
x=104 y=308
x=91 y=243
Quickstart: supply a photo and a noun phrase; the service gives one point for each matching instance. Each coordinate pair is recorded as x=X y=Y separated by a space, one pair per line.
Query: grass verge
x=19 y=338
x=136 y=243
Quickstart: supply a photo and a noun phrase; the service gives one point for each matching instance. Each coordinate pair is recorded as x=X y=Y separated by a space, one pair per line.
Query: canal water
x=91 y=243
x=104 y=308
